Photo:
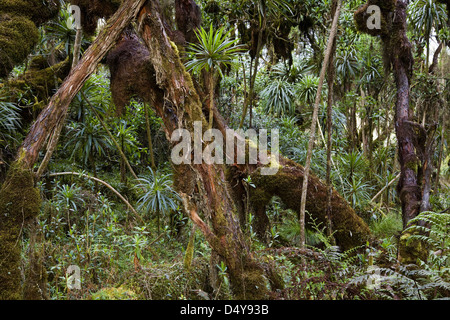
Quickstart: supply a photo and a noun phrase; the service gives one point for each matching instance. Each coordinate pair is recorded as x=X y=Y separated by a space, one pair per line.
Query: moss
x=19 y=202
x=250 y=285
x=38 y=11
x=18 y=36
x=361 y=16
x=119 y=293
x=19 y=20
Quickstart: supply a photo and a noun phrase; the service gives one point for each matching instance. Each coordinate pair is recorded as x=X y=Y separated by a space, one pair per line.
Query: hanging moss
x=19 y=202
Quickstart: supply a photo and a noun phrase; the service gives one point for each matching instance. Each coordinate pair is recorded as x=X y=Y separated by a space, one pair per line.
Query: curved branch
x=102 y=182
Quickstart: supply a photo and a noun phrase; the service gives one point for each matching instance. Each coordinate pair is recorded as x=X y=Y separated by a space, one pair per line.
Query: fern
x=435 y=234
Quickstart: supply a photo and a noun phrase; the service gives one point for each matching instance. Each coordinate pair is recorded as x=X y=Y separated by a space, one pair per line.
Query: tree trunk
x=19 y=186
x=201 y=185
x=77 y=46
x=330 y=80
x=349 y=229
x=149 y=138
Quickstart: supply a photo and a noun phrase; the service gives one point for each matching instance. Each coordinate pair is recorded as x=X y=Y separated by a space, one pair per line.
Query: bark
x=19 y=185
x=330 y=80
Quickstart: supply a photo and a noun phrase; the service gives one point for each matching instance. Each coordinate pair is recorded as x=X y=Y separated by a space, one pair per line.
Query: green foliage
x=158 y=196
x=214 y=50
x=10 y=121
x=87 y=140
x=425 y=15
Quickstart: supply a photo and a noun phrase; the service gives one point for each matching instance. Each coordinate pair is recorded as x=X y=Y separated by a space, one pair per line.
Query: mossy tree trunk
x=349 y=229
x=205 y=188
x=19 y=198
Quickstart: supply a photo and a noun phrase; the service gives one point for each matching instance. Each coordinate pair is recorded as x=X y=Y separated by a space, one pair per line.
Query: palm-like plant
x=353 y=163
x=346 y=65
x=426 y=15
x=88 y=140
x=214 y=50
x=158 y=196
x=307 y=89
